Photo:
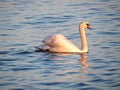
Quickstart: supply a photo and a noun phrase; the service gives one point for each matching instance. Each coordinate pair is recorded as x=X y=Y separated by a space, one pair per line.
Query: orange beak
x=89 y=27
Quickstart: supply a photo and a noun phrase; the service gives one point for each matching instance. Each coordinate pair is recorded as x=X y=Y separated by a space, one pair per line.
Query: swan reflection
x=65 y=69
x=83 y=62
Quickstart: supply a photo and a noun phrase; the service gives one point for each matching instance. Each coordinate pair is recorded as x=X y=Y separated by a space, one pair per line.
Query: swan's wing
x=49 y=40
x=55 y=40
x=58 y=40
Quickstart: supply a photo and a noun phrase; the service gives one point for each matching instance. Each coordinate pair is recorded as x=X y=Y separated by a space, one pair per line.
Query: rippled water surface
x=24 y=24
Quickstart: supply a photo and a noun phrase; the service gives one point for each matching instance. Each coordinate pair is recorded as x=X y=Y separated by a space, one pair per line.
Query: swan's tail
x=42 y=48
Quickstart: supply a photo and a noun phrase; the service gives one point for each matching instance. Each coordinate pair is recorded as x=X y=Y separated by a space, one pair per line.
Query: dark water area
x=25 y=23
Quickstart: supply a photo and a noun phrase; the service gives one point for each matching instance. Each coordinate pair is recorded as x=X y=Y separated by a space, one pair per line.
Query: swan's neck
x=84 y=46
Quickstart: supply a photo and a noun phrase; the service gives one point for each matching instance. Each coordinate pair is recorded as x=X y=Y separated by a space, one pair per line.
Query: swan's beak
x=89 y=27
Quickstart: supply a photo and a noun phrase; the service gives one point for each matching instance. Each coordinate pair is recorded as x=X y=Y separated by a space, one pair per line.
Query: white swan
x=58 y=43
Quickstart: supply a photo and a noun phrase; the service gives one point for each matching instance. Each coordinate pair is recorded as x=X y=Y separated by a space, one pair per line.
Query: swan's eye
x=88 y=24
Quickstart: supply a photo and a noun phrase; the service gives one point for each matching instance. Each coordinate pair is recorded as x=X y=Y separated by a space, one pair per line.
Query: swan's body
x=58 y=43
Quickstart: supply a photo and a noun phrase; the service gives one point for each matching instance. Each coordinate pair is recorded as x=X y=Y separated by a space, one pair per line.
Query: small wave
x=4 y=52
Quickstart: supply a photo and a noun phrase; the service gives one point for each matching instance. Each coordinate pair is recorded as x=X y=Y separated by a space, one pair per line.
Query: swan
x=58 y=43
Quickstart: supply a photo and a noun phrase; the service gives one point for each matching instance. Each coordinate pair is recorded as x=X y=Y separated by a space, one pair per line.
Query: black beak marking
x=89 y=27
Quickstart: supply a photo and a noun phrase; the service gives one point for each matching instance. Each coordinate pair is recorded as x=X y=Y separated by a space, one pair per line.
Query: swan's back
x=58 y=43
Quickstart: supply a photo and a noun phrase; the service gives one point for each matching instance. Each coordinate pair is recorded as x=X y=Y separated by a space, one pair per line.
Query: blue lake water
x=24 y=24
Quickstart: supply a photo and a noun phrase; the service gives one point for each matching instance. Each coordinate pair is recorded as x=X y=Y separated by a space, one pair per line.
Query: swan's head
x=85 y=25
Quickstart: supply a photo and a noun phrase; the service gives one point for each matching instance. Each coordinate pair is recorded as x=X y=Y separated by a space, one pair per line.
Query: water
x=24 y=24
